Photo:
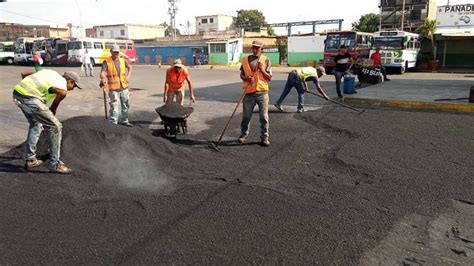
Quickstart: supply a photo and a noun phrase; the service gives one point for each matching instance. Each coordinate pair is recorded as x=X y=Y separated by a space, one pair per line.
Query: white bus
x=23 y=47
x=99 y=49
x=6 y=53
x=399 y=49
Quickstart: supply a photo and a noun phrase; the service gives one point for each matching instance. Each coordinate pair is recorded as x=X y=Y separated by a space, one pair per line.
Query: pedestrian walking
x=297 y=79
x=87 y=63
x=255 y=72
x=115 y=76
x=37 y=61
x=343 y=65
x=174 y=83
x=33 y=95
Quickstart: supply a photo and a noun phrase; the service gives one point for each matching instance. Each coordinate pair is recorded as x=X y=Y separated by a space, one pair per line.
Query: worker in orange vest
x=115 y=75
x=174 y=83
x=256 y=72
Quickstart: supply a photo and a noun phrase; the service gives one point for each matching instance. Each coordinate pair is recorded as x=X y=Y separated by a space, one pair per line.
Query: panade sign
x=455 y=16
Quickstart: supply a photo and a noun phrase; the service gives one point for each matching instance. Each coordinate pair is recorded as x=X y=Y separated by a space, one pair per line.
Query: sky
x=87 y=13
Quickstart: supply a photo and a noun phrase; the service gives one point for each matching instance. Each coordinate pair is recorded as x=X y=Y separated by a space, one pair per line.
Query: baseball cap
x=74 y=77
x=178 y=63
x=115 y=49
x=257 y=43
x=321 y=69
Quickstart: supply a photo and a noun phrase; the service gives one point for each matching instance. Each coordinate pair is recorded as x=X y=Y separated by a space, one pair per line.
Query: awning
x=455 y=32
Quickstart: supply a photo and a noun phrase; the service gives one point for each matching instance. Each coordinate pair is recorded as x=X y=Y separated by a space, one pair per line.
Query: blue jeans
x=88 y=67
x=339 y=76
x=38 y=114
x=293 y=81
x=250 y=100
x=115 y=97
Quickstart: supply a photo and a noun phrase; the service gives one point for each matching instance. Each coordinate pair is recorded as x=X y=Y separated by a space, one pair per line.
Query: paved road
x=384 y=187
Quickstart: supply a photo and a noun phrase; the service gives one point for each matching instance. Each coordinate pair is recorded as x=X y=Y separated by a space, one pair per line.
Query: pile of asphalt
x=174 y=110
x=328 y=189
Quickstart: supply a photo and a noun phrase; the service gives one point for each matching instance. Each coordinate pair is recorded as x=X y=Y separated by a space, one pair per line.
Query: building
x=416 y=12
x=213 y=23
x=455 y=36
x=129 y=31
x=165 y=52
x=305 y=50
x=11 y=31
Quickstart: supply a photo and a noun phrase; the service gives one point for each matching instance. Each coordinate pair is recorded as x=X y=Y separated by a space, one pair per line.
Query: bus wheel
x=402 y=70
x=10 y=61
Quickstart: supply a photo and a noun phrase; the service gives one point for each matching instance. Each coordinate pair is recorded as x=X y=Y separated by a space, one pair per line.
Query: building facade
x=129 y=31
x=412 y=12
x=11 y=31
x=213 y=23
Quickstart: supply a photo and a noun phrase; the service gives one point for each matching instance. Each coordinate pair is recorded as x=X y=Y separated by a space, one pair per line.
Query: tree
x=367 y=23
x=249 y=19
x=271 y=31
x=427 y=29
x=168 y=29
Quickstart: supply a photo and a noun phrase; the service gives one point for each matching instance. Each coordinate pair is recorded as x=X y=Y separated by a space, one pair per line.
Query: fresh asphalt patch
x=334 y=187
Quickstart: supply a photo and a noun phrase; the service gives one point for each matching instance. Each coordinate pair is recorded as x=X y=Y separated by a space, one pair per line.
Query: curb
x=417 y=105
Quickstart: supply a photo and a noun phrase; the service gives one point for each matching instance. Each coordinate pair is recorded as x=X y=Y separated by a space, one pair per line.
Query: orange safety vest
x=259 y=83
x=176 y=81
x=116 y=81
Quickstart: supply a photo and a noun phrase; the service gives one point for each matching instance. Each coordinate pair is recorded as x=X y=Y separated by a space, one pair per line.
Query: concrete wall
x=304 y=50
x=219 y=23
x=134 y=32
x=273 y=57
x=232 y=55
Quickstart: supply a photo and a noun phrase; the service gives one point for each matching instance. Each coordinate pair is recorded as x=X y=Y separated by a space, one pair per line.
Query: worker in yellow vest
x=256 y=72
x=33 y=95
x=115 y=75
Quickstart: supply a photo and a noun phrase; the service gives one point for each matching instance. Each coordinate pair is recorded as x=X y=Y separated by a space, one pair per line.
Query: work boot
x=242 y=139
x=32 y=163
x=61 y=168
x=265 y=142
x=127 y=124
x=278 y=106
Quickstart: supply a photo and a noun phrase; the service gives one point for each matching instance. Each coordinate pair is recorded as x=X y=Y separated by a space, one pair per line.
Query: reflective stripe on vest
x=259 y=83
x=32 y=87
x=114 y=80
x=306 y=72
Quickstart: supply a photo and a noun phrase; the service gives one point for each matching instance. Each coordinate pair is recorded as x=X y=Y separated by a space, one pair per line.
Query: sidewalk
x=421 y=94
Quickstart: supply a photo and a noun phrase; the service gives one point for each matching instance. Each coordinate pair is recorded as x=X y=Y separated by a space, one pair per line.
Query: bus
x=99 y=49
x=399 y=49
x=53 y=50
x=7 y=56
x=358 y=46
x=23 y=48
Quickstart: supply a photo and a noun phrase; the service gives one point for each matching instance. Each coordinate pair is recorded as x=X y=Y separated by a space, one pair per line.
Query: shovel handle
x=336 y=102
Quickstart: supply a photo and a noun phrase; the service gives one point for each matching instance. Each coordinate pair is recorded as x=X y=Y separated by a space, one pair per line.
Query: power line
x=26 y=16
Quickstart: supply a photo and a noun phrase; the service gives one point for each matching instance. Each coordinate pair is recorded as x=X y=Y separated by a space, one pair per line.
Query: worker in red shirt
x=377 y=59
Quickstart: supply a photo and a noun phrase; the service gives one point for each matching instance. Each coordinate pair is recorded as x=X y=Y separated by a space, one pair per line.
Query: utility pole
x=403 y=16
x=172 y=10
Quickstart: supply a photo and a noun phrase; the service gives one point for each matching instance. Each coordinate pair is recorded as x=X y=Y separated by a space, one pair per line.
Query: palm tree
x=427 y=29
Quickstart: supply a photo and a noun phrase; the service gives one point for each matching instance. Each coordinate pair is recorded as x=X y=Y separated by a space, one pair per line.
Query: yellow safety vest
x=259 y=83
x=31 y=86
x=115 y=80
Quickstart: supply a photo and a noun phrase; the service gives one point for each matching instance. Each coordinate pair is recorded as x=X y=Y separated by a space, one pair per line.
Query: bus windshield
x=74 y=45
x=334 y=41
x=389 y=43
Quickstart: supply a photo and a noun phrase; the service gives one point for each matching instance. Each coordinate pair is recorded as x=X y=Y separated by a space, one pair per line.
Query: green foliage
x=249 y=19
x=367 y=23
x=169 y=29
x=427 y=29
x=271 y=31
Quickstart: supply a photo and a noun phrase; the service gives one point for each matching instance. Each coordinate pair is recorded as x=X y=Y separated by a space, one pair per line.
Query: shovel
x=336 y=102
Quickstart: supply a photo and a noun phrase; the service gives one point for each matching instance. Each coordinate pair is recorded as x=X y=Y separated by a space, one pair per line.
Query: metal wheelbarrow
x=174 y=117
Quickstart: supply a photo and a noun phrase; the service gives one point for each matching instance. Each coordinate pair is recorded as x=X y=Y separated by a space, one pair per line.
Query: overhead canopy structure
x=305 y=23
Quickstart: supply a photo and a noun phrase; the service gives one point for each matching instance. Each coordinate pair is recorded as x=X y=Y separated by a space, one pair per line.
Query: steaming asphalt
x=384 y=187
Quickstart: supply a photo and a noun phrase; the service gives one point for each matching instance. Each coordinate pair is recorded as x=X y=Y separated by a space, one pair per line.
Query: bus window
x=109 y=45
x=87 y=45
x=62 y=48
x=98 y=45
x=129 y=45
x=122 y=46
x=74 y=45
